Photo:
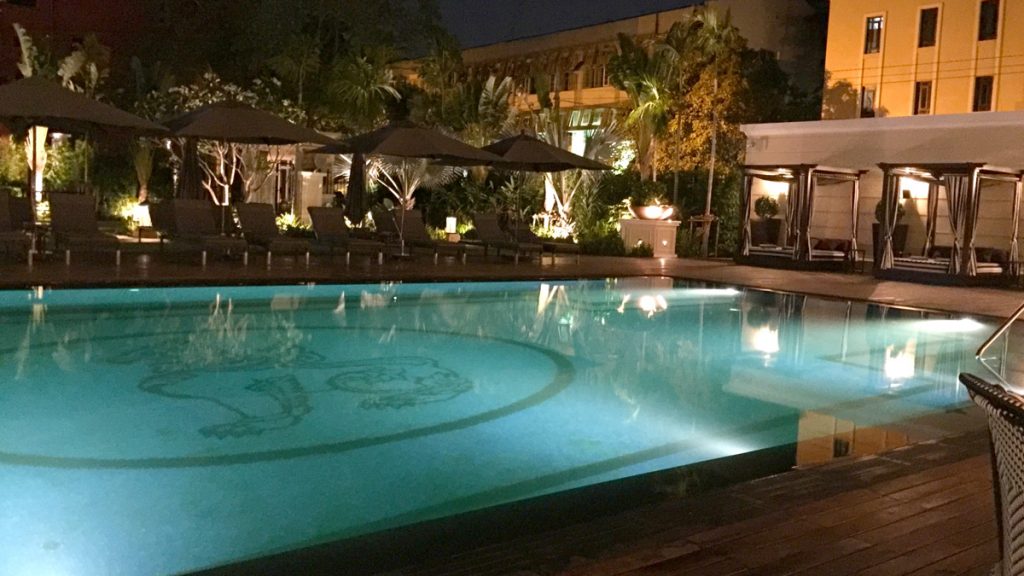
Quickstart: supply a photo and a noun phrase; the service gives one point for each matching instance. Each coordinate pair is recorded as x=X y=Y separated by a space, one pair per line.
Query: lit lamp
x=450 y=224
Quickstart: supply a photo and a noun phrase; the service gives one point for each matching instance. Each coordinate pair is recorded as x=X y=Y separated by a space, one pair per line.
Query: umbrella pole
x=401 y=205
x=32 y=171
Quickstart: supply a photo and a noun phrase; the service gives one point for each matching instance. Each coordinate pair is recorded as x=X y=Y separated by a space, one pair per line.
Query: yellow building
x=907 y=57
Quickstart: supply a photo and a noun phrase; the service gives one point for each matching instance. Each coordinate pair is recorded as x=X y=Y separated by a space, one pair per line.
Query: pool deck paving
x=924 y=509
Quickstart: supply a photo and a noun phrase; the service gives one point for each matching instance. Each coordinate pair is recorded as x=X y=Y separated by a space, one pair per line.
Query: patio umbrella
x=524 y=152
x=37 y=102
x=230 y=122
x=241 y=124
x=529 y=154
x=406 y=140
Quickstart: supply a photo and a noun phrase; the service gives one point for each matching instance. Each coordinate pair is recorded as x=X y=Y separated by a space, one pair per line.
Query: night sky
x=480 y=22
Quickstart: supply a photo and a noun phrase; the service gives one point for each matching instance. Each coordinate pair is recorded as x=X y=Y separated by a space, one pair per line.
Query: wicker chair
x=1005 y=412
x=14 y=239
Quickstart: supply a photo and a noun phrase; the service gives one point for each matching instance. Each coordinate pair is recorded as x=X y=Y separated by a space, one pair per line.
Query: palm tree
x=363 y=85
x=644 y=76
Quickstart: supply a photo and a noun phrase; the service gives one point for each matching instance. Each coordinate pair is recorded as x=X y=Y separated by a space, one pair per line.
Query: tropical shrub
x=642 y=250
x=602 y=243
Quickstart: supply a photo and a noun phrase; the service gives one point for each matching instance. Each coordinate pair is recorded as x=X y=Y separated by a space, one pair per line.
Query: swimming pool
x=158 y=431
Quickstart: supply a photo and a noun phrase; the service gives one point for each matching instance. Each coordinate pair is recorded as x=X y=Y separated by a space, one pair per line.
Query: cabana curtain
x=791 y=205
x=957 y=201
x=891 y=199
x=854 y=217
x=745 y=234
x=805 y=188
x=971 y=227
x=1014 y=250
x=933 y=215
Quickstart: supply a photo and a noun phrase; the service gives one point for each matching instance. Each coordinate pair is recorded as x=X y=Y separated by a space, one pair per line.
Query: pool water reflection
x=164 y=430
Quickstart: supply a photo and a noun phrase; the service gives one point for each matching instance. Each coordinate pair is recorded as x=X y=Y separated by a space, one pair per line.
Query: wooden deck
x=926 y=509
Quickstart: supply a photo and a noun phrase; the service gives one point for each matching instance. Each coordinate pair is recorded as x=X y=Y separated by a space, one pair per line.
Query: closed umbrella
x=405 y=140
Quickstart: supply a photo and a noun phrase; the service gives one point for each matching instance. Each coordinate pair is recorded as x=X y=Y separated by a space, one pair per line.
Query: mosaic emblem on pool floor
x=281 y=401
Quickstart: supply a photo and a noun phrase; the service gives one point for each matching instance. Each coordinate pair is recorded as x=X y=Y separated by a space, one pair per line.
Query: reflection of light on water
x=766 y=340
x=958 y=326
x=651 y=305
x=899 y=366
x=728 y=448
x=708 y=292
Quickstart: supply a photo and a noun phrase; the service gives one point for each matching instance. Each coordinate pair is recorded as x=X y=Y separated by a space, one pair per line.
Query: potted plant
x=646 y=202
x=899 y=235
x=765 y=230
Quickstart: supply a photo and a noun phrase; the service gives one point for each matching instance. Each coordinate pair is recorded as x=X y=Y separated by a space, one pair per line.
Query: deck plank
x=927 y=509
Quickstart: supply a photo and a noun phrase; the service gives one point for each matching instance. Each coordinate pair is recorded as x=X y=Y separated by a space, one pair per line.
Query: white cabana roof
x=995 y=138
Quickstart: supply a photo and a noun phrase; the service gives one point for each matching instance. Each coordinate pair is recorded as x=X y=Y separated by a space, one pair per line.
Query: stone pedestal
x=659 y=234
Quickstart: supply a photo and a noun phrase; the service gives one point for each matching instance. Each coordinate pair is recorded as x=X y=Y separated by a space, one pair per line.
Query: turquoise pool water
x=158 y=431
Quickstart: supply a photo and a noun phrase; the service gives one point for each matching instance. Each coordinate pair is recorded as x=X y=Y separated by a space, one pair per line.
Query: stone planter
x=658 y=234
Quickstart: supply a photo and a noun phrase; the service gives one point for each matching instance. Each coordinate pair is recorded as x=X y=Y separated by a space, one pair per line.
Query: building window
x=867 y=102
x=983 y=94
x=598 y=76
x=989 y=21
x=927 y=27
x=922 y=98
x=873 y=35
x=567 y=81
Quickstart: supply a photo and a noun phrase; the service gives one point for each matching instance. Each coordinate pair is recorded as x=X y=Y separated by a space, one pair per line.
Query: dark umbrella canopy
x=525 y=152
x=411 y=141
x=242 y=124
x=35 y=101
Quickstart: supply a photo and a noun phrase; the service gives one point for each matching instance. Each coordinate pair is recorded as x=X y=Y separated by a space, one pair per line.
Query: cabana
x=799 y=248
x=963 y=261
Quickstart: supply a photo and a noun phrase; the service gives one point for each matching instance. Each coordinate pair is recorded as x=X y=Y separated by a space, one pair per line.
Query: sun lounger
x=194 y=225
x=332 y=232
x=259 y=228
x=492 y=236
x=74 y=226
x=13 y=237
x=416 y=236
x=552 y=246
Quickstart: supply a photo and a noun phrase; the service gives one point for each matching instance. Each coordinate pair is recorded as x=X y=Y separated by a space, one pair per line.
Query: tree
x=644 y=76
x=363 y=85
